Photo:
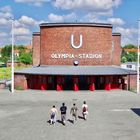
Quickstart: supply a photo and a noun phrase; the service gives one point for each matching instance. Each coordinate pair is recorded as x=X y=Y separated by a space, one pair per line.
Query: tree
x=129 y=46
x=128 y=56
x=26 y=58
x=6 y=53
x=123 y=59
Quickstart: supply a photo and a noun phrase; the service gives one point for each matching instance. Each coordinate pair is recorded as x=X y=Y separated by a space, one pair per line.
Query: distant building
x=130 y=50
x=129 y=66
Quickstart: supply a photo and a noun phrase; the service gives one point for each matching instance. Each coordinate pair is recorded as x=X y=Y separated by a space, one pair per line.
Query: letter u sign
x=72 y=42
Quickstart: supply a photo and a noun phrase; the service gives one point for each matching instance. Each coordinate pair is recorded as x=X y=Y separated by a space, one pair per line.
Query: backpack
x=84 y=109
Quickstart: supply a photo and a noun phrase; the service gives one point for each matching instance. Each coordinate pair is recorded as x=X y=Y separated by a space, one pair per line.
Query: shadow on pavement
x=49 y=121
x=59 y=121
x=136 y=110
x=71 y=121
x=81 y=117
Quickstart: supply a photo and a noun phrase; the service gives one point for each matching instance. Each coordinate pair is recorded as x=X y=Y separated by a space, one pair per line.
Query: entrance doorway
x=99 y=82
x=83 y=85
x=68 y=83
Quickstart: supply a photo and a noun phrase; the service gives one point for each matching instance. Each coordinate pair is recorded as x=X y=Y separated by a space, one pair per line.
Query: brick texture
x=133 y=81
x=96 y=40
x=36 y=49
x=116 y=50
x=20 y=81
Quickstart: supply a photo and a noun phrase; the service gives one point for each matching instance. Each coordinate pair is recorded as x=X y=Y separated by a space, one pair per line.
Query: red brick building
x=75 y=56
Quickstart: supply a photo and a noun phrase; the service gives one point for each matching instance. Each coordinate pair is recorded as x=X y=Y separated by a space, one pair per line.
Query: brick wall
x=116 y=49
x=96 y=40
x=36 y=49
x=20 y=81
x=133 y=82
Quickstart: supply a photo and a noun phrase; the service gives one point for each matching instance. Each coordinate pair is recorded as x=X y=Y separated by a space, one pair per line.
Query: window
x=129 y=66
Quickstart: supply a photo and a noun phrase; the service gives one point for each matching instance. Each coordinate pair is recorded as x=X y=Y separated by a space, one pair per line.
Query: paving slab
x=113 y=115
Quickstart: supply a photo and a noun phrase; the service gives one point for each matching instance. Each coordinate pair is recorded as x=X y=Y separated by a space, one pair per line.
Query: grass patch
x=5 y=72
x=19 y=88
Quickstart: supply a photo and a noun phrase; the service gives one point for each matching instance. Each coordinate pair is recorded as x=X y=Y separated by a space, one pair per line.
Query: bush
x=19 y=88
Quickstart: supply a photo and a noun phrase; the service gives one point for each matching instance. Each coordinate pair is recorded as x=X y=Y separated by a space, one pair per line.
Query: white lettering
x=72 y=42
x=71 y=56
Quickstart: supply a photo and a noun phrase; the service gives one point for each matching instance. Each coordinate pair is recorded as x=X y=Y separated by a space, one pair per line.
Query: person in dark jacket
x=63 y=110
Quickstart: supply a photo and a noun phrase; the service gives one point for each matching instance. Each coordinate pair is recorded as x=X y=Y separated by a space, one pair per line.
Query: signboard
x=79 y=56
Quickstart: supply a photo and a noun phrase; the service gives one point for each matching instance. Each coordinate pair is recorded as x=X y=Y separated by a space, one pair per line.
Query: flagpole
x=12 y=74
x=138 y=63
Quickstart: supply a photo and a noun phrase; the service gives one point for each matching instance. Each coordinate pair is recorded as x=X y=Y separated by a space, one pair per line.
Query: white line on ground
x=120 y=110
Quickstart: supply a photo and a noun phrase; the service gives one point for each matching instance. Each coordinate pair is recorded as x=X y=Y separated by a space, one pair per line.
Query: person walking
x=53 y=113
x=84 y=110
x=73 y=112
x=63 y=110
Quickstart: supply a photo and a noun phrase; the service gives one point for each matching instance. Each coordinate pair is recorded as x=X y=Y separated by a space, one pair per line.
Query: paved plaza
x=113 y=115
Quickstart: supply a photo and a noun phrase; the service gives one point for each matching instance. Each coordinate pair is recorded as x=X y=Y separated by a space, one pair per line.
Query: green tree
x=6 y=53
x=128 y=57
x=26 y=58
x=123 y=59
x=129 y=46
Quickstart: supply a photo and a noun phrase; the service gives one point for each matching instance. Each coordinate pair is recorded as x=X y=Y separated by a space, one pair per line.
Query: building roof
x=76 y=70
x=76 y=24
x=130 y=63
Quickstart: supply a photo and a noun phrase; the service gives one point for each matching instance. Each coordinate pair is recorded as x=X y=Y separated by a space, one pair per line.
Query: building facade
x=75 y=56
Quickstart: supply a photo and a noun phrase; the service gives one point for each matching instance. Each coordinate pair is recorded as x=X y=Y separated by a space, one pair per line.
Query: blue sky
x=28 y=14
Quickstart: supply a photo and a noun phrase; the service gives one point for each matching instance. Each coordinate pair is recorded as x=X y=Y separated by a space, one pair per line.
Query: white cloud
x=90 y=17
x=61 y=18
x=22 y=31
x=3 y=34
x=5 y=15
x=126 y=31
x=87 y=4
x=25 y=39
x=33 y=2
x=27 y=21
x=115 y=21
x=3 y=22
x=129 y=35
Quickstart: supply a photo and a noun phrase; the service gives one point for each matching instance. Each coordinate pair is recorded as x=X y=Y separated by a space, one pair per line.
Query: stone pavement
x=113 y=115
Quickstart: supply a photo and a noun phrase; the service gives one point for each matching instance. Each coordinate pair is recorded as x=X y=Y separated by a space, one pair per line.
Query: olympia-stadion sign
x=82 y=55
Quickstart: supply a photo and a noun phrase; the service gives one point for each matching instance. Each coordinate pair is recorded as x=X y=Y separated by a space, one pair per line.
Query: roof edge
x=116 y=34
x=36 y=33
x=76 y=24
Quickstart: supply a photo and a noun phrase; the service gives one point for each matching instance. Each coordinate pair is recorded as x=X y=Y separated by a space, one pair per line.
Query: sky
x=28 y=14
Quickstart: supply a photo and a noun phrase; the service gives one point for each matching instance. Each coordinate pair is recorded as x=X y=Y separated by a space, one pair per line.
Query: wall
x=57 y=40
x=116 y=50
x=20 y=81
x=36 y=49
x=133 y=82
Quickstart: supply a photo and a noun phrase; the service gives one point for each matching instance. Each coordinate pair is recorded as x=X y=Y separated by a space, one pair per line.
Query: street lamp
x=138 y=63
x=12 y=74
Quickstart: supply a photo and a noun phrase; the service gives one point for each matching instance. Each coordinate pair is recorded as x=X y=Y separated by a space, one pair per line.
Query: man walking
x=63 y=110
x=73 y=112
x=84 y=110
x=53 y=115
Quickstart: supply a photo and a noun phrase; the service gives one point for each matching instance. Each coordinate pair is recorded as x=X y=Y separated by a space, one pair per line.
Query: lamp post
x=12 y=74
x=138 y=63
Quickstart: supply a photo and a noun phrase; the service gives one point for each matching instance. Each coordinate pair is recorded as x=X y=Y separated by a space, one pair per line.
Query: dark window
x=129 y=66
